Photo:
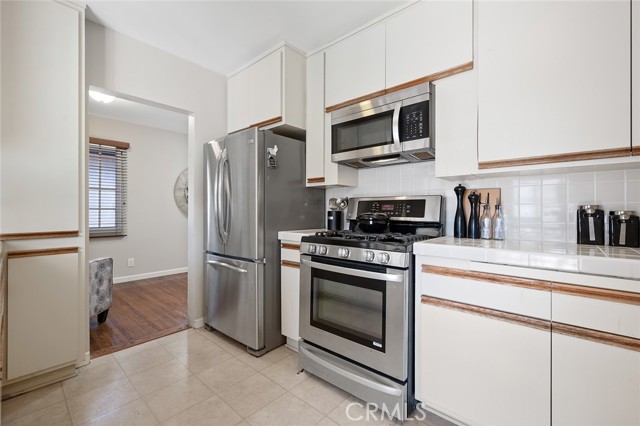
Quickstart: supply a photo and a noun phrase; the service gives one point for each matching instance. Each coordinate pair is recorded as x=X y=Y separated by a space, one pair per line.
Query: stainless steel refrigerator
x=254 y=187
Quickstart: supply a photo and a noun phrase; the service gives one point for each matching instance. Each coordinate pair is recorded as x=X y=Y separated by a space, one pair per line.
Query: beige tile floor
x=192 y=378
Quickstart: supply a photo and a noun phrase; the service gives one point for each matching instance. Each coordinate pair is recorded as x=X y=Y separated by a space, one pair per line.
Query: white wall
x=538 y=207
x=126 y=66
x=156 y=230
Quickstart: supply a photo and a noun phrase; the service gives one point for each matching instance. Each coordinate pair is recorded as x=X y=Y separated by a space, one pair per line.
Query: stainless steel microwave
x=391 y=129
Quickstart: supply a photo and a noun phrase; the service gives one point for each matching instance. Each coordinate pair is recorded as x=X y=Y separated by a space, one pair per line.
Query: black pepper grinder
x=460 y=224
x=474 y=220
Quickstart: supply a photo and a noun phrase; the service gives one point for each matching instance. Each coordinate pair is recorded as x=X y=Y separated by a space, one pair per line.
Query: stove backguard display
x=393 y=208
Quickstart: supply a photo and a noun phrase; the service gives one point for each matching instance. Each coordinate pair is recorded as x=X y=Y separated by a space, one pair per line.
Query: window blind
x=107 y=188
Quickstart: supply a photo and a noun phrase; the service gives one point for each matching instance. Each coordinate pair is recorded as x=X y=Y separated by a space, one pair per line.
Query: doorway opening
x=149 y=293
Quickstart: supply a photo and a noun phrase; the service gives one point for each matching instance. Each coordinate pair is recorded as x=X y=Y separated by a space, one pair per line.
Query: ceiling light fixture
x=101 y=97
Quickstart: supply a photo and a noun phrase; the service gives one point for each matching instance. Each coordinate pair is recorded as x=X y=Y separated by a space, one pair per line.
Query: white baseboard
x=149 y=275
x=198 y=323
x=85 y=361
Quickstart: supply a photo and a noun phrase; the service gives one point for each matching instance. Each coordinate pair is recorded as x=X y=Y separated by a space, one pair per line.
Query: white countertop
x=295 y=236
x=599 y=260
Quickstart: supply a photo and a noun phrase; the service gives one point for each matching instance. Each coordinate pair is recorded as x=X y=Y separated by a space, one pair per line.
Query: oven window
x=364 y=132
x=349 y=306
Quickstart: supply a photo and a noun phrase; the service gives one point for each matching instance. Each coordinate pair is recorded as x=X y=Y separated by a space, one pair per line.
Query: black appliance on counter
x=357 y=301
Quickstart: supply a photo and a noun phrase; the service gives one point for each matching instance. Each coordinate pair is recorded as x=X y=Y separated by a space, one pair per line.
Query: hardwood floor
x=142 y=310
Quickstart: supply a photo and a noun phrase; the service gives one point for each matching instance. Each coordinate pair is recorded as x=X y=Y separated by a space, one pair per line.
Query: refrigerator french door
x=254 y=187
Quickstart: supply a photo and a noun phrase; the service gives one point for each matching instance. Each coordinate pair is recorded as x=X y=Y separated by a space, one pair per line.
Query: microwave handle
x=395 y=127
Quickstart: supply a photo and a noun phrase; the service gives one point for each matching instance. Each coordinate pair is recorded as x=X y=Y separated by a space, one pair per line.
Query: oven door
x=357 y=311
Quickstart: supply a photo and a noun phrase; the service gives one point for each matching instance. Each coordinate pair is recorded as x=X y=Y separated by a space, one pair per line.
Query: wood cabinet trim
x=107 y=142
x=38 y=235
x=558 y=158
x=268 y=122
x=41 y=252
x=635 y=150
x=597 y=336
x=289 y=246
x=618 y=296
x=355 y=100
x=426 y=79
x=290 y=264
x=316 y=180
x=487 y=277
x=432 y=77
x=488 y=313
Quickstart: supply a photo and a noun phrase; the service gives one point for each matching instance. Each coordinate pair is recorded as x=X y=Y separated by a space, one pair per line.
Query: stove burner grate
x=389 y=237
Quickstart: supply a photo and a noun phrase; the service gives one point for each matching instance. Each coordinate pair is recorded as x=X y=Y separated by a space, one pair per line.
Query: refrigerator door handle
x=220 y=213
x=226 y=170
x=226 y=265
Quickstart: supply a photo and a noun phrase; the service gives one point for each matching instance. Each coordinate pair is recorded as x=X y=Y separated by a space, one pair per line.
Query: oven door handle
x=351 y=271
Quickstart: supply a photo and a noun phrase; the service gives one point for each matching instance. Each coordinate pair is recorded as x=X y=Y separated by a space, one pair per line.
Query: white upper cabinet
x=270 y=92
x=356 y=66
x=554 y=80
x=456 y=125
x=238 y=111
x=635 y=83
x=41 y=117
x=320 y=170
x=426 y=38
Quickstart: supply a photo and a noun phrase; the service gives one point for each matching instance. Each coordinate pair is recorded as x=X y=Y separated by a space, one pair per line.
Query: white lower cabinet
x=483 y=371
x=594 y=384
x=42 y=315
x=503 y=345
x=290 y=290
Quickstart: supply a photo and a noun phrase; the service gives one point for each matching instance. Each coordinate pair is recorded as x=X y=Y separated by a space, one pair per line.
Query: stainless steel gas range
x=356 y=301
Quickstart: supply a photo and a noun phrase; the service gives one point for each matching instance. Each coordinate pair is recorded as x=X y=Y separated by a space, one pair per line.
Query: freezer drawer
x=234 y=299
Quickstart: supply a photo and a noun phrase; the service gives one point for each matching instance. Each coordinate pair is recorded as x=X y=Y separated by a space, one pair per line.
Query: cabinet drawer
x=290 y=252
x=505 y=293
x=617 y=317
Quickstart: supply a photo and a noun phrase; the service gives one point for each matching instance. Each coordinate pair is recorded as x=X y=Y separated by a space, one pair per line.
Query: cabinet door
x=290 y=288
x=554 y=80
x=483 y=371
x=42 y=313
x=428 y=37
x=315 y=120
x=457 y=125
x=355 y=66
x=265 y=88
x=41 y=115
x=594 y=384
x=238 y=97
x=635 y=84
x=321 y=171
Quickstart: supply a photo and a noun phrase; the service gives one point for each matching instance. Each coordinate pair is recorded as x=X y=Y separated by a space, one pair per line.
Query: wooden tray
x=494 y=195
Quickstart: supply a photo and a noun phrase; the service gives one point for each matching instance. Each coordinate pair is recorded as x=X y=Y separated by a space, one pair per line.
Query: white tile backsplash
x=536 y=207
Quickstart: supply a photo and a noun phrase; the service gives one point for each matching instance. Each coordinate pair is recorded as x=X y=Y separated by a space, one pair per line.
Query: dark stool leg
x=102 y=316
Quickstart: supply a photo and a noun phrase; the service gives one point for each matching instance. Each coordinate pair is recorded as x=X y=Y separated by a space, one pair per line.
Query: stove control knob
x=384 y=258
x=322 y=250
x=369 y=256
x=312 y=248
x=343 y=252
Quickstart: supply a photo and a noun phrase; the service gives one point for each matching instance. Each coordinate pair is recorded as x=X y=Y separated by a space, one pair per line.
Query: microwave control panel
x=414 y=121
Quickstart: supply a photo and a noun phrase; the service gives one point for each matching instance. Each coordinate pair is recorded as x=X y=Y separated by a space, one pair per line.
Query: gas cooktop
x=386 y=237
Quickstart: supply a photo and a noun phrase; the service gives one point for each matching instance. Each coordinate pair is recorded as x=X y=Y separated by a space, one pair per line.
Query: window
x=107 y=188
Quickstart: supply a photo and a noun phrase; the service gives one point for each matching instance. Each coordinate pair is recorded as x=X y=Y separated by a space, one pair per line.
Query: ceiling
x=224 y=36
x=140 y=113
